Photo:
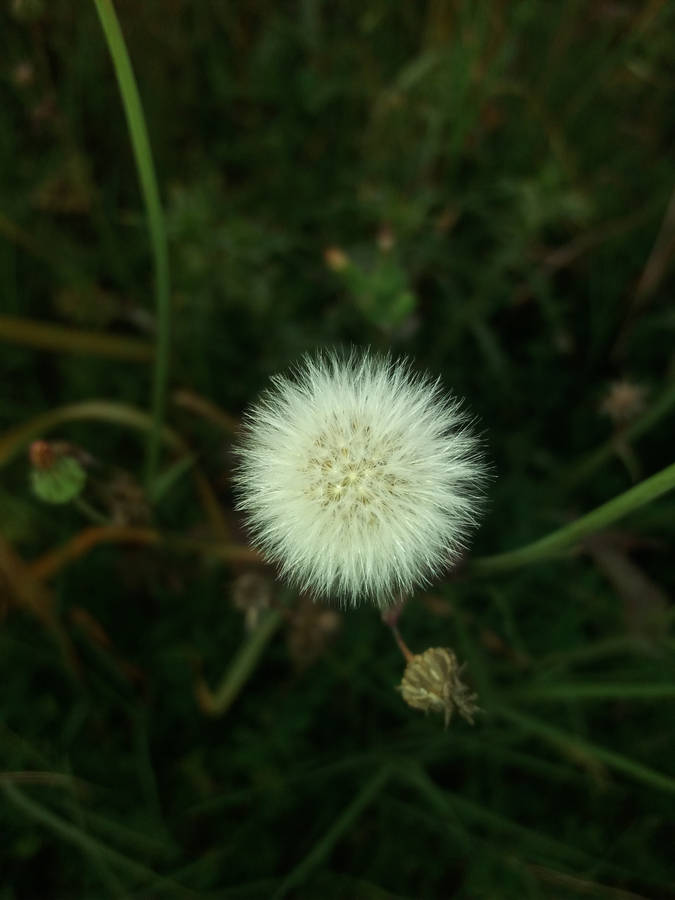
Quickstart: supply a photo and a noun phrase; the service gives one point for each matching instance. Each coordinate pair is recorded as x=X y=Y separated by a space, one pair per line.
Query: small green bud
x=61 y=482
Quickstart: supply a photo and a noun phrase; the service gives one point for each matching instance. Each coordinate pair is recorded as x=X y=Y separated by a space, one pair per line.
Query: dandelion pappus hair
x=359 y=477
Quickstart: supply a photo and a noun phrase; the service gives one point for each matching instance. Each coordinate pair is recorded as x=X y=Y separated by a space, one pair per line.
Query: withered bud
x=44 y=113
x=336 y=259
x=251 y=595
x=385 y=239
x=125 y=499
x=623 y=402
x=432 y=681
x=44 y=455
x=23 y=74
x=311 y=628
x=41 y=455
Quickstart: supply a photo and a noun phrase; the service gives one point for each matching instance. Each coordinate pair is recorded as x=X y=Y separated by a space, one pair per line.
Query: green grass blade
x=47 y=336
x=166 y=479
x=581 y=748
x=15 y=439
x=92 y=847
x=456 y=807
x=146 y=173
x=325 y=845
x=565 y=538
x=583 y=691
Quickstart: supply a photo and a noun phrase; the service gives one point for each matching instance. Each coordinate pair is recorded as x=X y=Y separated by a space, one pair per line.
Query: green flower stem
x=215 y=703
x=559 y=541
x=146 y=174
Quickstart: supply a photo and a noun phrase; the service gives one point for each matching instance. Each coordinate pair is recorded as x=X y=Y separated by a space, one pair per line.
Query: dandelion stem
x=390 y=617
x=140 y=141
x=405 y=650
x=570 y=535
x=215 y=703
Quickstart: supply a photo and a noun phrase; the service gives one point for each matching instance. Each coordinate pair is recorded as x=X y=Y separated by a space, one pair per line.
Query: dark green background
x=520 y=155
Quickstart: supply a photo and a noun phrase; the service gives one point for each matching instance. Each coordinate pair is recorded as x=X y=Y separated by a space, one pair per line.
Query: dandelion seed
x=359 y=478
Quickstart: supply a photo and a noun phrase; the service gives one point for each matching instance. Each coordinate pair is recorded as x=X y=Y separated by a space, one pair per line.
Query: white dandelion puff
x=358 y=477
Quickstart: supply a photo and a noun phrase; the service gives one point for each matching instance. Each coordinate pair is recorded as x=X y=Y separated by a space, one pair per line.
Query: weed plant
x=486 y=187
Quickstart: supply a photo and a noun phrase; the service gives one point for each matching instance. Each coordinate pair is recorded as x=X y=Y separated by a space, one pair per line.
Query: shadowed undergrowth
x=487 y=188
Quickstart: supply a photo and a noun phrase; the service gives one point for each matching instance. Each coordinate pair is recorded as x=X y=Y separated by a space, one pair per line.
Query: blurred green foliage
x=496 y=179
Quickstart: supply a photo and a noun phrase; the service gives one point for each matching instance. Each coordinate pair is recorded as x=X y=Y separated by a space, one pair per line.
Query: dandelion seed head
x=359 y=478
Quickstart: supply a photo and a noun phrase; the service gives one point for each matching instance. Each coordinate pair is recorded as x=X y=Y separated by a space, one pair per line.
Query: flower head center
x=349 y=468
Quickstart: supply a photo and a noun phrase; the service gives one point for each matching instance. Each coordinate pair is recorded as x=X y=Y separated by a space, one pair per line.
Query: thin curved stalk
x=91 y=847
x=572 y=692
x=48 y=565
x=206 y=409
x=140 y=142
x=567 y=537
x=14 y=440
x=216 y=703
x=344 y=822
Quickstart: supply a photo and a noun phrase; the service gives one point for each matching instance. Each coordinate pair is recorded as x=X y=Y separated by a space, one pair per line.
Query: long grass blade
x=583 y=691
x=45 y=336
x=140 y=141
x=14 y=440
x=582 y=748
x=326 y=843
x=565 y=538
x=90 y=846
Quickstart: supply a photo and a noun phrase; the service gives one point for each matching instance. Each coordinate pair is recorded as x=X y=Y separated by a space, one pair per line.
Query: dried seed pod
x=41 y=455
x=336 y=259
x=624 y=401
x=311 y=628
x=432 y=681
x=125 y=499
x=251 y=595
